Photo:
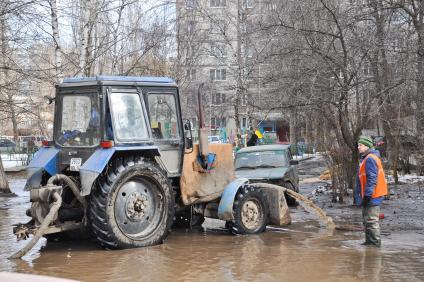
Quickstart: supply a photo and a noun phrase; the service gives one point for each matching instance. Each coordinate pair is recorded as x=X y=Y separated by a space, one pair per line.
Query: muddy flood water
x=303 y=251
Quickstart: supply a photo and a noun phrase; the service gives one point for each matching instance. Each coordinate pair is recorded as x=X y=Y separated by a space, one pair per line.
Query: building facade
x=223 y=53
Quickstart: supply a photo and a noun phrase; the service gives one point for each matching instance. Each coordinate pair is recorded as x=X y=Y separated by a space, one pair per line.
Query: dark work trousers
x=370 y=215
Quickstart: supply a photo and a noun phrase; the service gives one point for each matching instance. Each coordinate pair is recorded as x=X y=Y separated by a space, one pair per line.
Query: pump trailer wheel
x=250 y=212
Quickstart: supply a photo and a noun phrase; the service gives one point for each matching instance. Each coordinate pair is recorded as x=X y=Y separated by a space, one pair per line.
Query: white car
x=214 y=139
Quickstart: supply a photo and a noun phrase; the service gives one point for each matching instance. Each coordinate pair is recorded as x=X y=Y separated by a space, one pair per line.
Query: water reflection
x=300 y=252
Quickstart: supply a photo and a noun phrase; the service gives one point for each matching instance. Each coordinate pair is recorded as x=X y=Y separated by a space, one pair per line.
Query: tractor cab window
x=128 y=117
x=80 y=122
x=163 y=116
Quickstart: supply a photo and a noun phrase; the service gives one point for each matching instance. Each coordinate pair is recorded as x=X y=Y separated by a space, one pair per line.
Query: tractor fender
x=95 y=164
x=45 y=160
x=225 y=208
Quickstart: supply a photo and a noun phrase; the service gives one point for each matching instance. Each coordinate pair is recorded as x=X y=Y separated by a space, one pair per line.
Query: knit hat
x=366 y=141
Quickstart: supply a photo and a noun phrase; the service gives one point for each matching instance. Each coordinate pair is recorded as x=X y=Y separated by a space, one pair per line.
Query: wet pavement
x=303 y=251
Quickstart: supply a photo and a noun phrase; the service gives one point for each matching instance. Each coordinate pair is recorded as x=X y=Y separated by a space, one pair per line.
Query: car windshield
x=80 y=121
x=261 y=159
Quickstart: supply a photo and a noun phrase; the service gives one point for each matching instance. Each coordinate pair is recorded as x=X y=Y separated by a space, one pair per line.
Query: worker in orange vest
x=371 y=187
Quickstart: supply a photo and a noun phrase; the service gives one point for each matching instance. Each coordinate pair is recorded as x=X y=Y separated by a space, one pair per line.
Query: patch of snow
x=407 y=178
x=321 y=189
x=304 y=156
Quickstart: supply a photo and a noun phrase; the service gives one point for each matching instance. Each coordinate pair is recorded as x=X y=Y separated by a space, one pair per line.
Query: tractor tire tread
x=107 y=232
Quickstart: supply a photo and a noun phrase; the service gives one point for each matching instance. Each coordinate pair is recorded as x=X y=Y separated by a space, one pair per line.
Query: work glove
x=366 y=201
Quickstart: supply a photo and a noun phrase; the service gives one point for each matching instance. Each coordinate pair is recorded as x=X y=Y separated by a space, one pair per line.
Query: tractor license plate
x=75 y=164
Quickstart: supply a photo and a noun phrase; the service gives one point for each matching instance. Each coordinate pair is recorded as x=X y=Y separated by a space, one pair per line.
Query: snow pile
x=407 y=178
x=321 y=189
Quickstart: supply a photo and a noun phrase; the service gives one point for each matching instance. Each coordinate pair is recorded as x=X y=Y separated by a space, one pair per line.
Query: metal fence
x=16 y=159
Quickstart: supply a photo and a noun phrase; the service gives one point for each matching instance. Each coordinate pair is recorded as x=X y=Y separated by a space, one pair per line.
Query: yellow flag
x=259 y=134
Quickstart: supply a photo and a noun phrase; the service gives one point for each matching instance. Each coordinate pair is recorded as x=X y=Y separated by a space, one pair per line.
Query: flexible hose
x=305 y=203
x=71 y=184
x=44 y=225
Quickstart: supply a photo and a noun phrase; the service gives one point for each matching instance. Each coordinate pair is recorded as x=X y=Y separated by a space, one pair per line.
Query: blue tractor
x=116 y=154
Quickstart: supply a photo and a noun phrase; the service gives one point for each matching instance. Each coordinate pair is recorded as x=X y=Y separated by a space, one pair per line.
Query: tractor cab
x=124 y=113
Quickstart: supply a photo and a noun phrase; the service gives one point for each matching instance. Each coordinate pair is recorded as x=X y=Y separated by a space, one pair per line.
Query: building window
x=252 y=73
x=248 y=51
x=218 y=122
x=366 y=68
x=357 y=2
x=191 y=74
x=193 y=122
x=218 y=3
x=213 y=122
x=190 y=98
x=247 y=3
x=248 y=27
x=218 y=99
x=214 y=27
x=218 y=74
x=271 y=6
x=245 y=99
x=190 y=51
x=191 y=27
x=244 y=122
x=191 y=4
x=223 y=122
x=218 y=50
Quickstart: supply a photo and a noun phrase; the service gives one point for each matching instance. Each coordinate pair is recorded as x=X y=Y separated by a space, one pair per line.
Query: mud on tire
x=250 y=212
x=132 y=205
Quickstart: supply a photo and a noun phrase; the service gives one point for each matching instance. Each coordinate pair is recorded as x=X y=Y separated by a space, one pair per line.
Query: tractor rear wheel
x=250 y=212
x=133 y=205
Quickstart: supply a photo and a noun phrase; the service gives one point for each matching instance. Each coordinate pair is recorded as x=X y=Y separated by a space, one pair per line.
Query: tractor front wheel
x=250 y=212
x=133 y=205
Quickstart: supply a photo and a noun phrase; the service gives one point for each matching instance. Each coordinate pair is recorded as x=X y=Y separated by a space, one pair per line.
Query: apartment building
x=221 y=47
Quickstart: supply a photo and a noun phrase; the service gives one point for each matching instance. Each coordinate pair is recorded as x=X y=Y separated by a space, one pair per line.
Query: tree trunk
x=420 y=73
x=4 y=185
x=13 y=118
x=239 y=87
x=293 y=129
x=115 y=58
x=56 y=40
x=84 y=33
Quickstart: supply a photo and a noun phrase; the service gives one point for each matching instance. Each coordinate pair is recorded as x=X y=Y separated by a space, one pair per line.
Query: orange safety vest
x=381 y=186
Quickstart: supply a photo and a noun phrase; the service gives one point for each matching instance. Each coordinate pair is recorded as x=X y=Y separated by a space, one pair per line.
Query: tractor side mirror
x=188 y=135
x=294 y=162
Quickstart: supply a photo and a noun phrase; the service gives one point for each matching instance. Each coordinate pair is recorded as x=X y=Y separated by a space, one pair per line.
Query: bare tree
x=56 y=40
